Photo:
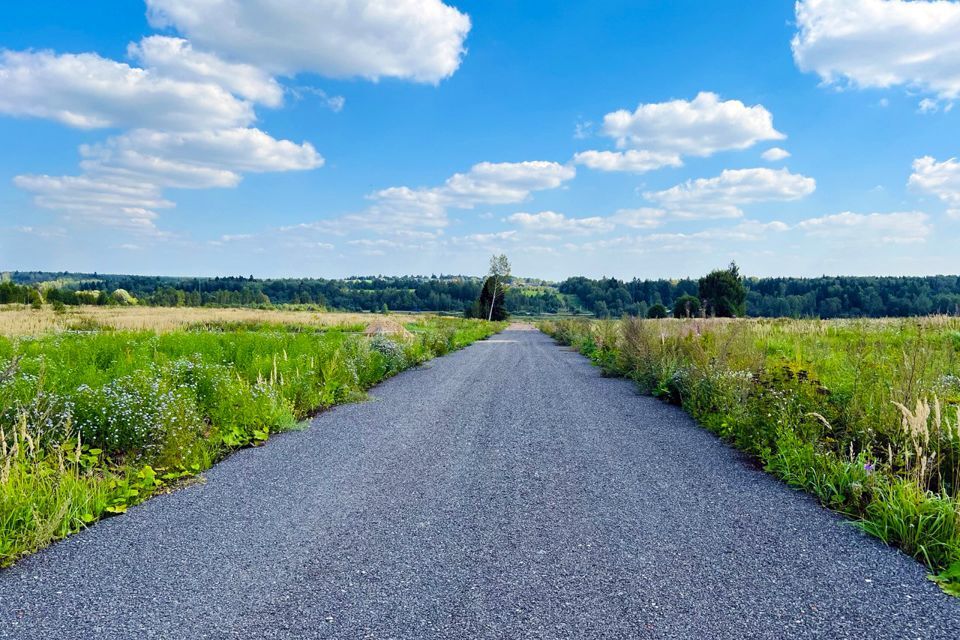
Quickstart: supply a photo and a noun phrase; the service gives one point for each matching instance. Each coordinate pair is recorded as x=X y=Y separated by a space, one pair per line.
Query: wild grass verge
x=865 y=415
x=94 y=422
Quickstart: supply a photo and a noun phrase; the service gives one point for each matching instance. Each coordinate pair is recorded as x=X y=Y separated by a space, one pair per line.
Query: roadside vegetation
x=94 y=420
x=864 y=414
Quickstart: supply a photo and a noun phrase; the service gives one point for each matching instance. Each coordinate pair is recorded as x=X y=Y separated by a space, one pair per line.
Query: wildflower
x=868 y=467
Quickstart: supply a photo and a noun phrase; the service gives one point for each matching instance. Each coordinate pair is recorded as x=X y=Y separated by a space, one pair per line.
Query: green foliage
x=657 y=311
x=122 y=297
x=686 y=306
x=92 y=423
x=815 y=402
x=723 y=294
x=481 y=309
x=824 y=297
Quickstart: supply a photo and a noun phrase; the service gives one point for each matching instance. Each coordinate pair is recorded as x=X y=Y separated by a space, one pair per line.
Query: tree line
x=823 y=297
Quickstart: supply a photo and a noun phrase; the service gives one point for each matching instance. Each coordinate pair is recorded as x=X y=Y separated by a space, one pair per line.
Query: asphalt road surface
x=504 y=491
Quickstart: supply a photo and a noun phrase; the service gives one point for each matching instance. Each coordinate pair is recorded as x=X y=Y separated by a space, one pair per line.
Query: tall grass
x=91 y=423
x=22 y=320
x=863 y=414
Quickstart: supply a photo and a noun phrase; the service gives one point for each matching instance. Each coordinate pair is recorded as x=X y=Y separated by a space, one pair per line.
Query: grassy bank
x=93 y=422
x=863 y=414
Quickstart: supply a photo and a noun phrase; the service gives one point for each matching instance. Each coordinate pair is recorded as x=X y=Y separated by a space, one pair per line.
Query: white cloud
x=503 y=182
x=941 y=179
x=775 y=154
x=486 y=238
x=334 y=103
x=124 y=177
x=486 y=183
x=87 y=91
x=583 y=130
x=881 y=43
x=43 y=232
x=551 y=221
x=398 y=207
x=744 y=231
x=421 y=40
x=177 y=59
x=700 y=127
x=104 y=201
x=216 y=158
x=632 y=161
x=643 y=218
x=722 y=196
x=872 y=228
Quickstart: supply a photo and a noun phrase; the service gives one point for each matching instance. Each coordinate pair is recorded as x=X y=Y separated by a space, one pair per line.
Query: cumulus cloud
x=486 y=183
x=722 y=196
x=703 y=240
x=196 y=159
x=775 y=154
x=421 y=40
x=125 y=176
x=632 y=161
x=643 y=218
x=881 y=43
x=87 y=91
x=116 y=203
x=699 y=127
x=503 y=182
x=188 y=129
x=551 y=221
x=941 y=179
x=176 y=58
x=871 y=228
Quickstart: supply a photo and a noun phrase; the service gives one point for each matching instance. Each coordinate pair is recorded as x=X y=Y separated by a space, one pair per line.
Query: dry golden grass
x=19 y=320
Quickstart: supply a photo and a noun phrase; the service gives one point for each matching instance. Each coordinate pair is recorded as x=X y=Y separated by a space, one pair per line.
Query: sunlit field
x=22 y=320
x=865 y=414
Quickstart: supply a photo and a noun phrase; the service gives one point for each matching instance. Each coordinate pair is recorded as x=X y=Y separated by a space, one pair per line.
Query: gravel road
x=504 y=491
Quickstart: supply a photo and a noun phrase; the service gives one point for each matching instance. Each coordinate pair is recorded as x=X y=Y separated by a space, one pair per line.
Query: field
x=102 y=408
x=21 y=320
x=863 y=414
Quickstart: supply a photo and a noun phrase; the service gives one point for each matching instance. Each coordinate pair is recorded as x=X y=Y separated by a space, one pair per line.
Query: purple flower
x=868 y=467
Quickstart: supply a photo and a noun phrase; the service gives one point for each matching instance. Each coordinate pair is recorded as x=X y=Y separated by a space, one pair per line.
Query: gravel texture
x=504 y=491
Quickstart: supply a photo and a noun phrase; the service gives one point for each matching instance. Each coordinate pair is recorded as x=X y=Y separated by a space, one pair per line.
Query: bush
x=686 y=306
x=657 y=311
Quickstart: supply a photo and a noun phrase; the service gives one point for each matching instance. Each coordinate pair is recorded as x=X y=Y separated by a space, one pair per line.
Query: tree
x=686 y=306
x=657 y=311
x=722 y=292
x=488 y=306
x=499 y=271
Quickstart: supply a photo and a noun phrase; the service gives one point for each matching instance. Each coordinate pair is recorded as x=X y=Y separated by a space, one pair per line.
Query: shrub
x=686 y=306
x=657 y=311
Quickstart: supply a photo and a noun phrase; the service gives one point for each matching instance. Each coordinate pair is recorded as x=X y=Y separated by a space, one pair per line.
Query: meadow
x=100 y=409
x=863 y=414
x=22 y=320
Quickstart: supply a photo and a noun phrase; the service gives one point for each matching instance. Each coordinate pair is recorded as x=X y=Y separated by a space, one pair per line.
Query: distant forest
x=824 y=297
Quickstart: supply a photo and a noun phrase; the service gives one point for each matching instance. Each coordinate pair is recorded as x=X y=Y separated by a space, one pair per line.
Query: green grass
x=863 y=414
x=91 y=423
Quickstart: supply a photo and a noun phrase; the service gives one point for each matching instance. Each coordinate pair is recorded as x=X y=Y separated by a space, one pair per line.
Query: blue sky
x=330 y=138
